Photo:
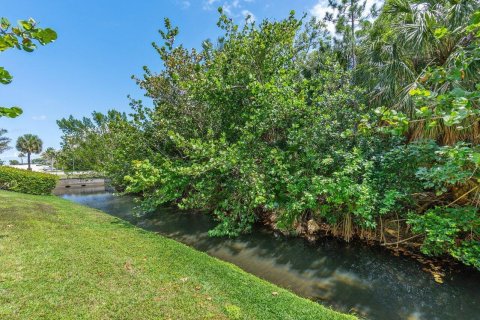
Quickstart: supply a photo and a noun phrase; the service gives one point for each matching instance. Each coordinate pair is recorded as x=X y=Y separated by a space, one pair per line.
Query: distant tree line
x=27 y=145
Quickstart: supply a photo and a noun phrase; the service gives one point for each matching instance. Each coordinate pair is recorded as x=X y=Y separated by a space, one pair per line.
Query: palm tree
x=406 y=39
x=29 y=144
x=21 y=155
x=4 y=141
x=50 y=155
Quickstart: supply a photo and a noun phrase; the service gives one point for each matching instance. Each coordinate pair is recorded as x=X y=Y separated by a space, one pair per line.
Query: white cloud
x=184 y=4
x=209 y=4
x=249 y=14
x=227 y=8
x=321 y=8
x=233 y=8
x=9 y=154
x=39 y=118
x=318 y=10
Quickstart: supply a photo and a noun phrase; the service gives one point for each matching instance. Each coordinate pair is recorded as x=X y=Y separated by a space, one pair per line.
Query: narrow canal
x=366 y=280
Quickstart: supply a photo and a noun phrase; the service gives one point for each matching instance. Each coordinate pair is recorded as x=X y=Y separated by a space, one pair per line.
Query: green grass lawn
x=60 y=260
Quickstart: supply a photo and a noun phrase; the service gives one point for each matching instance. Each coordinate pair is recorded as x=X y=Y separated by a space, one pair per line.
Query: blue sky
x=100 y=45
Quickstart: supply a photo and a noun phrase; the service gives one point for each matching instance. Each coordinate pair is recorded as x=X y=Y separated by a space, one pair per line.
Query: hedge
x=25 y=181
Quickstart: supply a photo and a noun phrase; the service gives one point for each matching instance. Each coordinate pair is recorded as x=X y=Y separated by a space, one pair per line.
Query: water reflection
x=349 y=277
x=79 y=189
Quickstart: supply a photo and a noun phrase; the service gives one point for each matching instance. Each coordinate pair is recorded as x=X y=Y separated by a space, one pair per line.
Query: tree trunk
x=354 y=58
x=28 y=159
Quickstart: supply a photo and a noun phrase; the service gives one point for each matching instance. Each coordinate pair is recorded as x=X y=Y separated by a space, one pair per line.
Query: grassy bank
x=60 y=260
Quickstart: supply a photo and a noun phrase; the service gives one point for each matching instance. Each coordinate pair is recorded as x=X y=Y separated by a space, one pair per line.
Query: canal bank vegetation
x=25 y=181
x=371 y=132
x=61 y=260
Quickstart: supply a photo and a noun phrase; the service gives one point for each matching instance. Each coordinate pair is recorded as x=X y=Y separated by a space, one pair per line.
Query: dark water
x=348 y=277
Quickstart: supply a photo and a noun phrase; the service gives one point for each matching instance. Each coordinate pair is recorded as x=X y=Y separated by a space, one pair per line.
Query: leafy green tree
x=107 y=143
x=29 y=144
x=24 y=37
x=349 y=17
x=49 y=156
x=14 y=162
x=84 y=143
x=39 y=161
x=21 y=155
x=4 y=141
x=234 y=125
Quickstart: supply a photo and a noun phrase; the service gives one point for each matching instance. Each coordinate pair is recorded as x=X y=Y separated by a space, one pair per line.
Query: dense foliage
x=24 y=181
x=105 y=143
x=4 y=141
x=447 y=109
x=273 y=122
x=407 y=38
x=49 y=156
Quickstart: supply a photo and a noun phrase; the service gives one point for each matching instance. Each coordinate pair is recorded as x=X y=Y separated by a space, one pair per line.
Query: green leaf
x=460 y=102
x=45 y=36
x=28 y=45
x=5 y=43
x=475 y=18
x=458 y=92
x=4 y=23
x=441 y=32
x=12 y=112
x=476 y=158
x=5 y=76
x=26 y=25
x=419 y=92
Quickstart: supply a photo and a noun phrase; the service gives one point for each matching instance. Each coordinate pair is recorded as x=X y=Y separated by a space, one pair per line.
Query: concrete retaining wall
x=64 y=185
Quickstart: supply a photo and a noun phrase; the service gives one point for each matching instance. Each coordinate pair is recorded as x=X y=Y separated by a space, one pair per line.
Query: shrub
x=270 y=118
x=450 y=230
x=27 y=181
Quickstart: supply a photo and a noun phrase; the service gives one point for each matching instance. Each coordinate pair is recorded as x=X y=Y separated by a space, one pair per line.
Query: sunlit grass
x=60 y=260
